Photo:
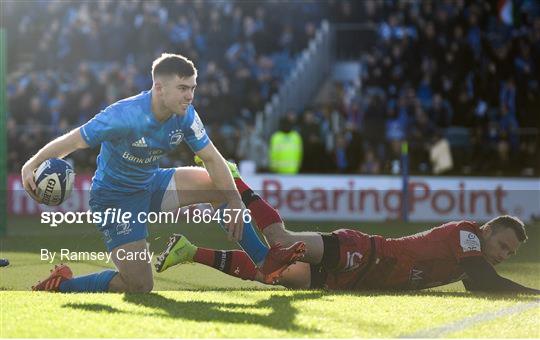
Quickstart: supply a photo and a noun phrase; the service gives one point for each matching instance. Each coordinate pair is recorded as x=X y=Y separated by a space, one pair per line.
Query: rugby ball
x=54 y=180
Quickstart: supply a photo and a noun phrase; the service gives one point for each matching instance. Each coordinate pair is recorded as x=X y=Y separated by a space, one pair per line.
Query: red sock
x=241 y=185
x=204 y=256
x=263 y=213
x=233 y=262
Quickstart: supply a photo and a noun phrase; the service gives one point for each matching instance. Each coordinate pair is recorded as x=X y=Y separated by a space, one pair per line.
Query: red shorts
x=355 y=256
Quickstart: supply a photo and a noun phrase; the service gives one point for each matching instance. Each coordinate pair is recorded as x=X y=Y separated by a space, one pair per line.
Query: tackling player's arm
x=483 y=277
x=58 y=148
x=221 y=177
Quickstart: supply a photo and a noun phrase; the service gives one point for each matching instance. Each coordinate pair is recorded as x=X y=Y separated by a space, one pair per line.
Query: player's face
x=499 y=245
x=177 y=93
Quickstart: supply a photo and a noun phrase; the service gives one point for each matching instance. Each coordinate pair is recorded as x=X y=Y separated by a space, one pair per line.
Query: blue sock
x=251 y=242
x=91 y=283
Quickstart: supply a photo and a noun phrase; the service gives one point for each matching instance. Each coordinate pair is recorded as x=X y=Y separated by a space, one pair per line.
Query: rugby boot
x=279 y=258
x=179 y=250
x=59 y=274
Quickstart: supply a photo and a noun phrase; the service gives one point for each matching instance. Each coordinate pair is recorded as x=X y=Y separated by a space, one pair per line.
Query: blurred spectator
x=421 y=137
x=252 y=146
x=503 y=139
x=370 y=165
x=340 y=154
x=440 y=112
x=355 y=147
x=374 y=122
x=37 y=113
x=508 y=95
x=285 y=149
x=463 y=112
x=313 y=159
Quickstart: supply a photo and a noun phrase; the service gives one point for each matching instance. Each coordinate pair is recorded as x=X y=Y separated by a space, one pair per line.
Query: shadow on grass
x=93 y=307
x=281 y=316
x=276 y=312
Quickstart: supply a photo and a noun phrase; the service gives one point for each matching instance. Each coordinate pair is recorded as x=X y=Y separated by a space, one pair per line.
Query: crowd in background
x=451 y=71
x=434 y=66
x=441 y=65
x=68 y=60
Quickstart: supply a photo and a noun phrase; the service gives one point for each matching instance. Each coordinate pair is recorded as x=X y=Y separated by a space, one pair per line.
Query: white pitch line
x=472 y=320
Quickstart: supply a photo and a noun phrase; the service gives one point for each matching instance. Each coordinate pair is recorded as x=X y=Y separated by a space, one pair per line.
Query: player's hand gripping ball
x=54 y=180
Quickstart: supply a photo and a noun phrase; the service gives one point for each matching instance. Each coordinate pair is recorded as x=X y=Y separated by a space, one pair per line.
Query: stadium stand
x=429 y=70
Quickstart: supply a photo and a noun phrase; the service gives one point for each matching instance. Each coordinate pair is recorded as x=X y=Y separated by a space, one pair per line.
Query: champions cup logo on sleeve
x=469 y=241
x=197 y=127
x=176 y=137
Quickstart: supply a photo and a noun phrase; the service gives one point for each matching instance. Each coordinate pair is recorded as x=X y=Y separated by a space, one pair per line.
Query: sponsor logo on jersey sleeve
x=469 y=241
x=198 y=127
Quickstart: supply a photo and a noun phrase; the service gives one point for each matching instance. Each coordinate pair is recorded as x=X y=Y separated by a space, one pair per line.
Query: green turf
x=241 y=313
x=196 y=301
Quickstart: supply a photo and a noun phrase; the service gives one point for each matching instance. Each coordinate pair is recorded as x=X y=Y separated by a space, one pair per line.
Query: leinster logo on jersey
x=176 y=137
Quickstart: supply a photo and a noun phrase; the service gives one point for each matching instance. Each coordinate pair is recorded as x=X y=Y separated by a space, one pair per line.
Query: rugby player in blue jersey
x=134 y=134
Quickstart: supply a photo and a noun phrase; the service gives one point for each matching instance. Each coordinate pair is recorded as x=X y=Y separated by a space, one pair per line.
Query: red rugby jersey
x=424 y=260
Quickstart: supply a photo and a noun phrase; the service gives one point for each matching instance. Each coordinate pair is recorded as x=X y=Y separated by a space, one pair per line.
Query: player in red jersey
x=351 y=260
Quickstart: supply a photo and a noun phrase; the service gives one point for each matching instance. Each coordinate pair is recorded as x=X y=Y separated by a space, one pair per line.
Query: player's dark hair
x=507 y=221
x=173 y=64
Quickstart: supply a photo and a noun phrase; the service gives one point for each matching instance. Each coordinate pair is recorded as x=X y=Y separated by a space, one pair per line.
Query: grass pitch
x=194 y=301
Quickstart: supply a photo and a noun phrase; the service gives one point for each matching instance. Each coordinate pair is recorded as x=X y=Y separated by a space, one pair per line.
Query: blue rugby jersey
x=132 y=141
